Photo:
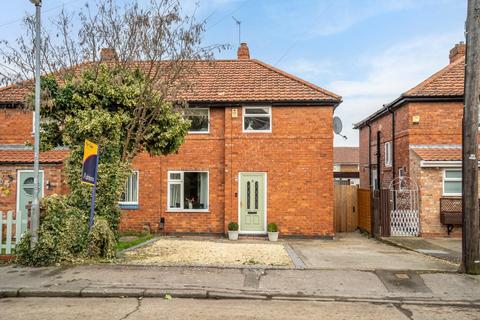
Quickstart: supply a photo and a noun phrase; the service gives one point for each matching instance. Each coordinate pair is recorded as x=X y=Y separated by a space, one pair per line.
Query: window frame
x=127 y=203
x=388 y=153
x=200 y=132
x=445 y=179
x=259 y=115
x=182 y=190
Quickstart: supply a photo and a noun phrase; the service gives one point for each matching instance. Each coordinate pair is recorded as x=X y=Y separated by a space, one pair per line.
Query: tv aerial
x=239 y=24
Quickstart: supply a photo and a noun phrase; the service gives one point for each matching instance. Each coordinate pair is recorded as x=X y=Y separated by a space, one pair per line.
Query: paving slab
x=449 y=249
x=353 y=251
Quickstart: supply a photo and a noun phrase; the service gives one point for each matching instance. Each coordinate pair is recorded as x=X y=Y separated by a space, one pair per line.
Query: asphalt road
x=130 y=308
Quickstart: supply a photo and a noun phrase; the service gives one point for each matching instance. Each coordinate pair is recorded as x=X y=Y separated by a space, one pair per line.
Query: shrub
x=233 y=226
x=272 y=227
x=63 y=236
x=101 y=240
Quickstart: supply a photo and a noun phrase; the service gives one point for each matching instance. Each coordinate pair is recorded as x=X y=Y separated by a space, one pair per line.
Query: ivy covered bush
x=114 y=108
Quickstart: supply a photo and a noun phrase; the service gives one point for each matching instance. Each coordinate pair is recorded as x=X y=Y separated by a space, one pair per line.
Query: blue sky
x=367 y=51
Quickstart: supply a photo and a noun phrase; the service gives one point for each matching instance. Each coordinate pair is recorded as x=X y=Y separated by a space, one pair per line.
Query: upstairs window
x=200 y=119
x=257 y=119
x=130 y=194
x=452 y=182
x=388 y=154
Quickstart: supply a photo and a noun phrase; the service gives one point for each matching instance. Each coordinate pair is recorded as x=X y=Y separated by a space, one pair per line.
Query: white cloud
x=390 y=73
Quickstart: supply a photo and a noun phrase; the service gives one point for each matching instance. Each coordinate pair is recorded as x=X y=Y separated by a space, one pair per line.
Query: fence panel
x=346 y=208
x=7 y=243
x=364 y=210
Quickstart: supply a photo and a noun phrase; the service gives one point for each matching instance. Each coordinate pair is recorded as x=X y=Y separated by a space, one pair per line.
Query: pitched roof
x=222 y=81
x=26 y=156
x=345 y=155
x=439 y=153
x=448 y=83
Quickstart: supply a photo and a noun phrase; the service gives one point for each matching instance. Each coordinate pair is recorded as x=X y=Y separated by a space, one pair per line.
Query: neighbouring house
x=346 y=165
x=260 y=150
x=417 y=138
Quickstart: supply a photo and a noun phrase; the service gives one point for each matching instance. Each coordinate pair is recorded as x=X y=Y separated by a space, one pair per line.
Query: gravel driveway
x=209 y=252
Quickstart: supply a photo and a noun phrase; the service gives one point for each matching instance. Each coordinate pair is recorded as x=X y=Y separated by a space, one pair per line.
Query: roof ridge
x=297 y=79
x=433 y=77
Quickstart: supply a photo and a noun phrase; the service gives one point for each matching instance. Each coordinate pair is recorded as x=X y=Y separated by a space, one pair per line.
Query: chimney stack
x=243 y=53
x=108 y=55
x=457 y=52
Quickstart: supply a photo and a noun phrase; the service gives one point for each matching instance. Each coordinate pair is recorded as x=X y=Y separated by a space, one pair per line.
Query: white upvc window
x=452 y=182
x=130 y=194
x=200 y=120
x=388 y=154
x=188 y=191
x=257 y=119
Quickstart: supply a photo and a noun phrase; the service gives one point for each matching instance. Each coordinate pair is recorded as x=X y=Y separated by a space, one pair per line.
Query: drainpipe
x=372 y=217
x=393 y=144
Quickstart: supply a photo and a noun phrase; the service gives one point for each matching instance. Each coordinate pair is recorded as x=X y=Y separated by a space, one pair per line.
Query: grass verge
x=140 y=238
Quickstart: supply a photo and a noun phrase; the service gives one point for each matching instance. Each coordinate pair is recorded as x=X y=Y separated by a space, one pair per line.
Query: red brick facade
x=297 y=157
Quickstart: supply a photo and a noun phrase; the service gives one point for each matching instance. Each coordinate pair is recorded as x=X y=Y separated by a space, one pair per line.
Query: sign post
x=89 y=172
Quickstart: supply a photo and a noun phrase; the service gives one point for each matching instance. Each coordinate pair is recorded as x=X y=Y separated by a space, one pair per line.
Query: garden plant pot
x=232 y=235
x=272 y=236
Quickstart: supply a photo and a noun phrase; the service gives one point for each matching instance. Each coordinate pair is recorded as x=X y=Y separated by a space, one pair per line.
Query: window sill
x=257 y=131
x=188 y=210
x=129 y=206
x=199 y=132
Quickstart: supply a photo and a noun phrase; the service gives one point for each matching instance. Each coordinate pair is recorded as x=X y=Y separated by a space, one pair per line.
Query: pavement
x=449 y=249
x=352 y=268
x=151 y=308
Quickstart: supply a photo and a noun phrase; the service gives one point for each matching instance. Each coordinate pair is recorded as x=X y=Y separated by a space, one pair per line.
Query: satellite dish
x=337 y=125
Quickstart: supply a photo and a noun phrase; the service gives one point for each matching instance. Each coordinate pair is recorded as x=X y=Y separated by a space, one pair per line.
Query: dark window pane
x=248 y=195
x=257 y=110
x=195 y=191
x=257 y=123
x=199 y=119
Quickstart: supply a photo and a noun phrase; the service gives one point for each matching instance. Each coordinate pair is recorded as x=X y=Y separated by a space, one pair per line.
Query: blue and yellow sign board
x=90 y=163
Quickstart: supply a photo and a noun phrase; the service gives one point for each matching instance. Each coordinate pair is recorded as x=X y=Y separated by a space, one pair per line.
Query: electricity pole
x=470 y=227
x=35 y=218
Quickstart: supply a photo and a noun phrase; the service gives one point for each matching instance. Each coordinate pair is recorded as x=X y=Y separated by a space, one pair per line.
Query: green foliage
x=101 y=240
x=233 y=226
x=143 y=237
x=272 y=227
x=62 y=235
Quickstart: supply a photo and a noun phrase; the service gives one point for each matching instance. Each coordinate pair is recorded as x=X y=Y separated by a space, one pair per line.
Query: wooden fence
x=346 y=208
x=10 y=232
x=364 y=210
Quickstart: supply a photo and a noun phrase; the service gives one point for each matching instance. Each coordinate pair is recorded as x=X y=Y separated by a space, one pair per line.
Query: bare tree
x=157 y=38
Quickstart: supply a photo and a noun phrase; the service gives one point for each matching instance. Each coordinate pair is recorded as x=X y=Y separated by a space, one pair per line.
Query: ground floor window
x=452 y=182
x=130 y=194
x=188 y=190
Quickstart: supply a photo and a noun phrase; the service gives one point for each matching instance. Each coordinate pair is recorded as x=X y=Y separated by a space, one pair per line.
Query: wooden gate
x=346 y=208
x=364 y=210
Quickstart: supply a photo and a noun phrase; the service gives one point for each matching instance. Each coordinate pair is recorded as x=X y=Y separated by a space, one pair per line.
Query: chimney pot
x=243 y=53
x=457 y=52
x=108 y=55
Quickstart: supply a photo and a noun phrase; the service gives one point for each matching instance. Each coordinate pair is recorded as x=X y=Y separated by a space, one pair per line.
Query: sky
x=367 y=51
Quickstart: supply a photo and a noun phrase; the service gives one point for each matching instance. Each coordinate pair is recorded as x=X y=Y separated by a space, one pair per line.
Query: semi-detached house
x=260 y=150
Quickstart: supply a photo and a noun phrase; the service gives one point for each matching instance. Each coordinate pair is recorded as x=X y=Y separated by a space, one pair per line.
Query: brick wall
x=8 y=188
x=297 y=157
x=15 y=126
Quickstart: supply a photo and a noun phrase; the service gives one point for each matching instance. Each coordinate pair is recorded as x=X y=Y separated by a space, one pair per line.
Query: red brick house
x=418 y=135
x=260 y=150
x=346 y=165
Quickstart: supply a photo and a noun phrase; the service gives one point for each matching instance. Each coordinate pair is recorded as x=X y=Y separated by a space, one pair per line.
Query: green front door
x=252 y=202
x=25 y=194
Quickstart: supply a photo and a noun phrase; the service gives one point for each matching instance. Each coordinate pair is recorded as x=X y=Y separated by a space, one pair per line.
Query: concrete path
x=148 y=308
x=449 y=249
x=352 y=251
